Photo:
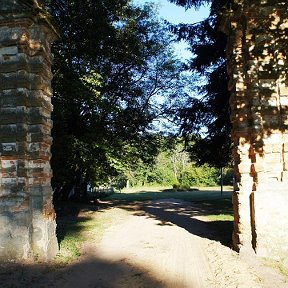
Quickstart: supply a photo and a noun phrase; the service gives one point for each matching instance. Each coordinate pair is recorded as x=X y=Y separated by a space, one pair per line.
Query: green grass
x=73 y=237
x=72 y=233
x=210 y=199
x=191 y=196
x=220 y=217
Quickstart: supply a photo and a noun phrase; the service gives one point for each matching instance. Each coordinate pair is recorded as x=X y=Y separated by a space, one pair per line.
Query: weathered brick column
x=27 y=218
x=257 y=65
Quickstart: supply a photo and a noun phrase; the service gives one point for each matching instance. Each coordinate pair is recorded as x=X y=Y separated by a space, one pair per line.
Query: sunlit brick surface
x=27 y=218
x=257 y=66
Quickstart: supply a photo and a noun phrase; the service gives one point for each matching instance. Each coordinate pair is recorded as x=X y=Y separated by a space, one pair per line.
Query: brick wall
x=257 y=66
x=27 y=218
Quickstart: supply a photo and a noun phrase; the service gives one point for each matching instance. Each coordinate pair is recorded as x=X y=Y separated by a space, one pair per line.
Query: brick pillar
x=242 y=136
x=257 y=66
x=27 y=218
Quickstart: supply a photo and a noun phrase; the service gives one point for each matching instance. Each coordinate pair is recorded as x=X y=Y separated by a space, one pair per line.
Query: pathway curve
x=159 y=244
x=165 y=244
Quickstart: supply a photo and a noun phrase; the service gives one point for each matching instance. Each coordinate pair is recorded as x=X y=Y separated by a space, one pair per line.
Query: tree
x=112 y=62
x=172 y=168
x=206 y=117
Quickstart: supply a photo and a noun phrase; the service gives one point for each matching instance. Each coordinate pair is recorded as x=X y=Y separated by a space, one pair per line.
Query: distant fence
x=99 y=192
x=107 y=190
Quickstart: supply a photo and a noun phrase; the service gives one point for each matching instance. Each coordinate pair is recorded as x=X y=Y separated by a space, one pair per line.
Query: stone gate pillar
x=257 y=66
x=27 y=218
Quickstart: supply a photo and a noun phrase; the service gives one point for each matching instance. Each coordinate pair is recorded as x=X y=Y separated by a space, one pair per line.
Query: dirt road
x=159 y=244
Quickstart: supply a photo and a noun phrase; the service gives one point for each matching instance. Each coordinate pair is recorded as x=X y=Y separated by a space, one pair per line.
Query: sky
x=175 y=15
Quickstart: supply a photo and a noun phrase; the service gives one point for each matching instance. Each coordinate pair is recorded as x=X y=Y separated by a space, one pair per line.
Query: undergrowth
x=72 y=232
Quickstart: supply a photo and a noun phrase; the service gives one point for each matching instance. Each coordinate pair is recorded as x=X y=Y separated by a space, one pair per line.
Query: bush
x=181 y=187
x=228 y=176
x=199 y=176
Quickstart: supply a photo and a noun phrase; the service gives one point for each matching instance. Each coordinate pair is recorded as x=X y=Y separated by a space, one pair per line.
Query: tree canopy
x=206 y=117
x=173 y=167
x=114 y=75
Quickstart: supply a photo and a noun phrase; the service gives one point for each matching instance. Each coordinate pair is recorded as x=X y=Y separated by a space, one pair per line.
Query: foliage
x=173 y=167
x=208 y=44
x=164 y=174
x=207 y=116
x=115 y=74
x=199 y=176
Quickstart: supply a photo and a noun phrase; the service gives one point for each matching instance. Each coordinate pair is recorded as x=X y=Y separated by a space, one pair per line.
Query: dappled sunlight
x=172 y=195
x=167 y=254
x=257 y=69
x=161 y=243
x=148 y=257
x=185 y=216
x=156 y=241
x=171 y=211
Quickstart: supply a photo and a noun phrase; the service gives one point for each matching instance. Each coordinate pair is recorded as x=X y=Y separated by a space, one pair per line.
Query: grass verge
x=73 y=231
x=220 y=217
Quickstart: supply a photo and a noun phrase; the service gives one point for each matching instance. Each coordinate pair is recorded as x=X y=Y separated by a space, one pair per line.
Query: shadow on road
x=184 y=215
x=98 y=272
x=187 y=215
x=91 y=273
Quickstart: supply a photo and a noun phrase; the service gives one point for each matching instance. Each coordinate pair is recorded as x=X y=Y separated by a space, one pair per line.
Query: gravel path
x=165 y=243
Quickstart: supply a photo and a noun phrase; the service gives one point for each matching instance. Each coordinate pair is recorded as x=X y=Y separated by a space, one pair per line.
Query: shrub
x=181 y=187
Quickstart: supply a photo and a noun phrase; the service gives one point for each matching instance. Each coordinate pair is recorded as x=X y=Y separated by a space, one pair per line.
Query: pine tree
x=206 y=117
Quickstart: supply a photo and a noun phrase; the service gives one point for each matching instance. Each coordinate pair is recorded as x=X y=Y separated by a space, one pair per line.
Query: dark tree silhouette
x=206 y=117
